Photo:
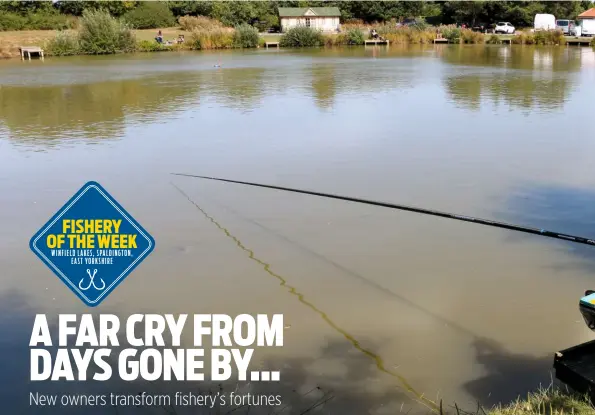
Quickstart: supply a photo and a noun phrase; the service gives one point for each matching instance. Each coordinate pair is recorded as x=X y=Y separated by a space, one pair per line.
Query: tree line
x=264 y=13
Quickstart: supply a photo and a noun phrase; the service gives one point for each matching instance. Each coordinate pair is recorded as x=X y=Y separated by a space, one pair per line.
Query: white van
x=544 y=22
x=587 y=27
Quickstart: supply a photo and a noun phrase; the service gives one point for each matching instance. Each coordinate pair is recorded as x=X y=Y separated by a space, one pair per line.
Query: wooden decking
x=376 y=42
x=440 y=40
x=267 y=44
x=578 y=41
x=28 y=50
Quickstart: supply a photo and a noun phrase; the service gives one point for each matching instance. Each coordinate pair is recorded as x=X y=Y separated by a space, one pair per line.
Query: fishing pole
x=496 y=224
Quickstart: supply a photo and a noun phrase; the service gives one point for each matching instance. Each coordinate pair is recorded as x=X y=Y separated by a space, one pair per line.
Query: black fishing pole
x=496 y=224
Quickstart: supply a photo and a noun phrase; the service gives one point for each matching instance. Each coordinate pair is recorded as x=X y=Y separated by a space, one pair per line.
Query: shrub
x=268 y=21
x=302 y=36
x=48 y=21
x=212 y=39
x=593 y=42
x=35 y=21
x=452 y=33
x=152 y=46
x=100 y=33
x=150 y=15
x=190 y=23
x=63 y=44
x=245 y=36
x=11 y=21
x=354 y=37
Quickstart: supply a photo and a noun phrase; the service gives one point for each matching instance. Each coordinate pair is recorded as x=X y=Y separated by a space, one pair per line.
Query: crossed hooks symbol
x=91 y=281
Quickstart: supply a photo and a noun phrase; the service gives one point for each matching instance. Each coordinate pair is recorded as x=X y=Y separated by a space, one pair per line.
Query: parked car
x=565 y=26
x=483 y=27
x=504 y=27
x=544 y=22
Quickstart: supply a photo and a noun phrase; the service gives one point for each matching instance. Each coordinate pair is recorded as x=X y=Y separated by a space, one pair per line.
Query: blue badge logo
x=92 y=244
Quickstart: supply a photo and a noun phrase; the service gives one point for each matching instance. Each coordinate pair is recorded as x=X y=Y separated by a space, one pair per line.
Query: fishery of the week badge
x=92 y=244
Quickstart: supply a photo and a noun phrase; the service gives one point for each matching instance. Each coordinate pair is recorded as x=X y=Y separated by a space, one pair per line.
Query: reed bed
x=544 y=38
x=190 y=23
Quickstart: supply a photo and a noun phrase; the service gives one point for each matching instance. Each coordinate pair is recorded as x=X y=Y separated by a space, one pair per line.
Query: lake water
x=381 y=306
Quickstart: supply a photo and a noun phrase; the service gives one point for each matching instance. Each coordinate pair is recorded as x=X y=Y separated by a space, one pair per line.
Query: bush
x=523 y=38
x=100 y=33
x=245 y=36
x=354 y=37
x=11 y=21
x=152 y=46
x=47 y=21
x=35 y=21
x=150 y=15
x=452 y=33
x=268 y=21
x=593 y=42
x=64 y=44
x=190 y=23
x=212 y=39
x=302 y=36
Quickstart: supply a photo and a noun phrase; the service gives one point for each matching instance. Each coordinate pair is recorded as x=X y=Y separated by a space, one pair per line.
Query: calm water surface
x=381 y=306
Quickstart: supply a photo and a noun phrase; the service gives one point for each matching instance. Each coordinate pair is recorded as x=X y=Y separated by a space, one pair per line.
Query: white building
x=322 y=18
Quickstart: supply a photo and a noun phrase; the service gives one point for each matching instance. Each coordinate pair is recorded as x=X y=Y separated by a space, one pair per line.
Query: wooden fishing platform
x=376 y=42
x=579 y=41
x=267 y=44
x=28 y=50
x=441 y=40
x=575 y=367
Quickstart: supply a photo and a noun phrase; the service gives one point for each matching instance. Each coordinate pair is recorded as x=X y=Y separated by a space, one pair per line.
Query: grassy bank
x=550 y=401
x=97 y=32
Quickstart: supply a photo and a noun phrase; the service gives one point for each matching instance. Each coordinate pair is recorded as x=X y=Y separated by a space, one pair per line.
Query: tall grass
x=543 y=37
x=190 y=23
x=548 y=401
x=593 y=42
x=493 y=40
x=468 y=36
x=222 y=38
x=245 y=36
x=406 y=35
x=302 y=36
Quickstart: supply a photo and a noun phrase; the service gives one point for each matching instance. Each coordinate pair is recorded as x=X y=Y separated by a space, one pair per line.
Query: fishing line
x=383 y=290
x=496 y=224
x=419 y=397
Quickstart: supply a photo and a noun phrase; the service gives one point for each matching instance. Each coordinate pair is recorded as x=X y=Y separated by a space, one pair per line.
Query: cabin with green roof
x=322 y=18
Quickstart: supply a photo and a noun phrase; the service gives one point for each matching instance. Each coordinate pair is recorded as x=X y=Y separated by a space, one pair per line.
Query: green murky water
x=383 y=306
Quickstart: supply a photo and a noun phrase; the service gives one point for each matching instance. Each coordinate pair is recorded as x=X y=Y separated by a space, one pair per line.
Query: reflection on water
x=99 y=110
x=405 y=301
x=562 y=209
x=533 y=77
